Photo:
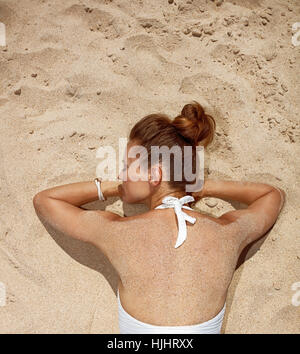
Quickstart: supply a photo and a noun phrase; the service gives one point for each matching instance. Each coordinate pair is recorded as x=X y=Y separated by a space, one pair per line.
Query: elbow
x=38 y=200
x=282 y=193
x=35 y=200
x=282 y=196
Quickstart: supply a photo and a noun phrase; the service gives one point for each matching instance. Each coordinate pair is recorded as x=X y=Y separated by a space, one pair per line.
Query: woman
x=174 y=264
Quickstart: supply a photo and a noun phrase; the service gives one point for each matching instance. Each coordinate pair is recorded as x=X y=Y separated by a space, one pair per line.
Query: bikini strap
x=177 y=204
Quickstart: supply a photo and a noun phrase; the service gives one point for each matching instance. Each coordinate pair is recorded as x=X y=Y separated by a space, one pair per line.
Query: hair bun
x=194 y=125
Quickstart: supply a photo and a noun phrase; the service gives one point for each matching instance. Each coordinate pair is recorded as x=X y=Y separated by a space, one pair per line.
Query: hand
x=199 y=194
x=120 y=190
x=111 y=188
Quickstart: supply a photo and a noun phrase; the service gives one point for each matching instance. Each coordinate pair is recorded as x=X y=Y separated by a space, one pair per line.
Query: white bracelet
x=98 y=185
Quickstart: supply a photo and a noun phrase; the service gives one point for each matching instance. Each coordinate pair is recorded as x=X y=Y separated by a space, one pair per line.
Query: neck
x=156 y=199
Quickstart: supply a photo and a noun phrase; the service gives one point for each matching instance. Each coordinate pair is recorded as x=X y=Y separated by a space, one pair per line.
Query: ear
x=155 y=175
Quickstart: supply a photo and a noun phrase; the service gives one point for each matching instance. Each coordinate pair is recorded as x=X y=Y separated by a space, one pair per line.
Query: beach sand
x=76 y=75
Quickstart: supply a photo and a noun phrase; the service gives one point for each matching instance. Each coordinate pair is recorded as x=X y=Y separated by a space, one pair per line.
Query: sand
x=76 y=75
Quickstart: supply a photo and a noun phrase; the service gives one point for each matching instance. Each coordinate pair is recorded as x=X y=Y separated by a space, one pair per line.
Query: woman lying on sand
x=174 y=263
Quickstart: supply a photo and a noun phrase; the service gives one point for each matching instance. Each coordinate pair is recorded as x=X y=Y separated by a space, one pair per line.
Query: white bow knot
x=177 y=204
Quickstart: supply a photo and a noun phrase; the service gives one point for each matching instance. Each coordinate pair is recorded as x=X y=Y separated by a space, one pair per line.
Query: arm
x=80 y=193
x=264 y=205
x=60 y=207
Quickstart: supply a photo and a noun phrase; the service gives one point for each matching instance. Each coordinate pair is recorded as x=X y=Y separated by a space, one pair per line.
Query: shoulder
x=208 y=218
x=111 y=226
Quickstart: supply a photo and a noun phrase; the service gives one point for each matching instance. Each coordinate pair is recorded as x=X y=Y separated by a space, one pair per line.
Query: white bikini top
x=177 y=204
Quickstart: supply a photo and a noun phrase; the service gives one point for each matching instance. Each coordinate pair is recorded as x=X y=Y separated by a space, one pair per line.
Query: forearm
x=242 y=191
x=80 y=193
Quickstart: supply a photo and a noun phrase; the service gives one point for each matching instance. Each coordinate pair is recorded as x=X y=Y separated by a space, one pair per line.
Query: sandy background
x=76 y=75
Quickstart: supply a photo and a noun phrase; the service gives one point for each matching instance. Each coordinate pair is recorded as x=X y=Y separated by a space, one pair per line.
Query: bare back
x=163 y=285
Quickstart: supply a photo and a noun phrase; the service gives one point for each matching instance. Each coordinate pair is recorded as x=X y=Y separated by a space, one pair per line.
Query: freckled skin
x=182 y=286
x=160 y=284
x=167 y=286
